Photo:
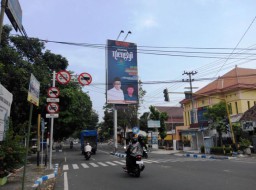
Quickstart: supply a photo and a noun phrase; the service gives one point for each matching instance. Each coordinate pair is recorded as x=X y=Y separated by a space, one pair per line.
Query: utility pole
x=190 y=80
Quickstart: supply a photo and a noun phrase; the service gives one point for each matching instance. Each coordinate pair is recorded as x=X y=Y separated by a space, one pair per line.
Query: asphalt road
x=104 y=171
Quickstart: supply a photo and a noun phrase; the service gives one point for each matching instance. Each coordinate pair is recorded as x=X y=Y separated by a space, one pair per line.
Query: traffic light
x=166 y=95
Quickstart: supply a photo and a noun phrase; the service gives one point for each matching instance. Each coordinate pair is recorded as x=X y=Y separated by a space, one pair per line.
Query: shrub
x=202 y=149
x=221 y=150
x=12 y=153
x=244 y=143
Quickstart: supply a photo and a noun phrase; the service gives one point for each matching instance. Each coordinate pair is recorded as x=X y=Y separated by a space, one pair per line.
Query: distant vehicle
x=90 y=136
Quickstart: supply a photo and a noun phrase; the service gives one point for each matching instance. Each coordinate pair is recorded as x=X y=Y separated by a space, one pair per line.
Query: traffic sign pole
x=52 y=122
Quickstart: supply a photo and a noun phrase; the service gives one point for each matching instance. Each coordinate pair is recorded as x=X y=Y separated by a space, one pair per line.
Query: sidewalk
x=33 y=172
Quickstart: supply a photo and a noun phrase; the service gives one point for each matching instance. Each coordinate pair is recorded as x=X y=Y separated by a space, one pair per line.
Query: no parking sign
x=84 y=79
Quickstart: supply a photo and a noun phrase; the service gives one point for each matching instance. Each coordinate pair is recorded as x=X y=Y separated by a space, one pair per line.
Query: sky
x=172 y=36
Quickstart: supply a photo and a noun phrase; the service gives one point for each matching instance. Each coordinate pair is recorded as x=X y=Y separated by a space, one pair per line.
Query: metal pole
x=27 y=145
x=115 y=128
x=3 y=5
x=52 y=122
x=42 y=156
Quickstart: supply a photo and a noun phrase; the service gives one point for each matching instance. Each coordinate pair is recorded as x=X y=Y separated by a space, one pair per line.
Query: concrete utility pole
x=191 y=88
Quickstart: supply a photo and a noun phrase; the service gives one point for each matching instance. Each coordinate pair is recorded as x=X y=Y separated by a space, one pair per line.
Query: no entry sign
x=52 y=107
x=53 y=92
x=63 y=77
x=84 y=78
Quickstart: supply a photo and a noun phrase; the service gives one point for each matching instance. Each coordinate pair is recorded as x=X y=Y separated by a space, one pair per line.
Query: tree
x=19 y=58
x=217 y=116
x=162 y=116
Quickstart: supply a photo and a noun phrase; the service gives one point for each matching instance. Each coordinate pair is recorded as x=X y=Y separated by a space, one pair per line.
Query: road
x=104 y=171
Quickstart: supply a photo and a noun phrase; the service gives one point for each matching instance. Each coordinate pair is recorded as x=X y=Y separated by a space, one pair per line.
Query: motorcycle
x=136 y=167
x=87 y=155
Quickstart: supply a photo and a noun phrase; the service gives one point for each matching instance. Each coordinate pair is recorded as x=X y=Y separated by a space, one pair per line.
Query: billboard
x=5 y=109
x=34 y=90
x=122 y=73
x=14 y=14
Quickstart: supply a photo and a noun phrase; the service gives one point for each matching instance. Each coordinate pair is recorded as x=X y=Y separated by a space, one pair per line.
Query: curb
x=121 y=155
x=46 y=177
x=204 y=156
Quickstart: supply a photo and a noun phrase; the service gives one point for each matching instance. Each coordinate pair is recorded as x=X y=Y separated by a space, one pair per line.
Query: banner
x=34 y=90
x=5 y=108
x=122 y=73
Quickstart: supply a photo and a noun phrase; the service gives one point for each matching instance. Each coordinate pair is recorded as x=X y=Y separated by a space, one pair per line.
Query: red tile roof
x=237 y=78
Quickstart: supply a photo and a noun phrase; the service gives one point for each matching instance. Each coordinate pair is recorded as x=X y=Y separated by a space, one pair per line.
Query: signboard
x=55 y=115
x=53 y=92
x=122 y=73
x=14 y=13
x=52 y=100
x=63 y=77
x=84 y=79
x=153 y=123
x=34 y=90
x=5 y=108
x=52 y=107
x=135 y=130
x=155 y=138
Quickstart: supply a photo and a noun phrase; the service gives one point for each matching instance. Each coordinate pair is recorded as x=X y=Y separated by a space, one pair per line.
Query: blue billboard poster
x=122 y=73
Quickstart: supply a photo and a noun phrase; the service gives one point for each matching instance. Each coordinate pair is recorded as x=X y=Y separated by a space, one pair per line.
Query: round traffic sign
x=63 y=77
x=84 y=78
x=135 y=130
x=53 y=92
x=52 y=107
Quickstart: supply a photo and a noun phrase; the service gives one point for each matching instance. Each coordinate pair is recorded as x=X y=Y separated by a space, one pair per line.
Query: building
x=237 y=88
x=175 y=119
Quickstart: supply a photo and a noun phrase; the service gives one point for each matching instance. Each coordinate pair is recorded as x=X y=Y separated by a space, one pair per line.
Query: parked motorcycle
x=136 y=167
x=87 y=155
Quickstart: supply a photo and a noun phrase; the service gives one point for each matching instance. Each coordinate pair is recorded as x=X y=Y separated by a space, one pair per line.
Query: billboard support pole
x=115 y=128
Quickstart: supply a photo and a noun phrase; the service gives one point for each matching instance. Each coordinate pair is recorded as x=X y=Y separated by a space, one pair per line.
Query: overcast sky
x=181 y=25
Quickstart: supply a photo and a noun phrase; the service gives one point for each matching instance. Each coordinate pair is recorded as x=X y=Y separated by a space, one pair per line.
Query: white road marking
x=110 y=163
x=93 y=164
x=85 y=165
x=102 y=164
x=65 y=167
x=65 y=181
x=75 y=166
x=121 y=163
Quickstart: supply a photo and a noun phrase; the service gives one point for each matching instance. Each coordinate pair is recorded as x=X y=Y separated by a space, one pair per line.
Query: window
x=236 y=108
x=230 y=108
x=248 y=103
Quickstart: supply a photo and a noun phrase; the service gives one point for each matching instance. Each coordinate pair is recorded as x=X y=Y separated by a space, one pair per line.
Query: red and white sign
x=52 y=107
x=84 y=78
x=53 y=92
x=63 y=77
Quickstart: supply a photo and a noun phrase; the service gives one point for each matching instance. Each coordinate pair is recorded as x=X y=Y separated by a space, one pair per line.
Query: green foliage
x=244 y=143
x=162 y=116
x=216 y=116
x=18 y=59
x=221 y=150
x=12 y=153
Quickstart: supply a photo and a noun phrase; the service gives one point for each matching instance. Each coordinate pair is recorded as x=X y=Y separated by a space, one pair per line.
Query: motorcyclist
x=141 y=141
x=87 y=148
x=143 y=145
x=133 y=150
x=71 y=144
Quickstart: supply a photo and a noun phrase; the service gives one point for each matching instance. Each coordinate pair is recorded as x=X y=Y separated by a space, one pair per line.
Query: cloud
x=149 y=23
